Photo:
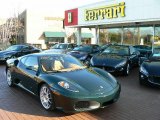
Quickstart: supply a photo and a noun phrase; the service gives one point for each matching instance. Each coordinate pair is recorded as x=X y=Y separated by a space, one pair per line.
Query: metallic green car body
x=96 y=88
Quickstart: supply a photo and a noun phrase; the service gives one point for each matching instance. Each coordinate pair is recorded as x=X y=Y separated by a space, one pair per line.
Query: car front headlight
x=121 y=64
x=143 y=70
x=67 y=86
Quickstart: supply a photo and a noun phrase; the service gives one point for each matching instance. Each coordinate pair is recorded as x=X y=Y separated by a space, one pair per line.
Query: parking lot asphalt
x=136 y=103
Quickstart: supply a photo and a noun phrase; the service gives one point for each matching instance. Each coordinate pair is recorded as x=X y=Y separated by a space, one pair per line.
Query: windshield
x=142 y=47
x=60 y=46
x=60 y=63
x=14 y=48
x=119 y=50
x=83 y=48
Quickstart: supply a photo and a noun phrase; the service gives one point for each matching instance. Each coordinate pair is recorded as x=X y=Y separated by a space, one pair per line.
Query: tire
x=9 y=78
x=127 y=70
x=46 y=97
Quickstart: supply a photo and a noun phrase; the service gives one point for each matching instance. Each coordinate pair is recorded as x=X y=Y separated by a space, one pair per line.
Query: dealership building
x=122 y=21
x=41 y=29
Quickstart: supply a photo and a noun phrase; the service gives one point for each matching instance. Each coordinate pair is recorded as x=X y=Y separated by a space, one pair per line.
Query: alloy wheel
x=46 y=97
x=9 y=78
x=128 y=69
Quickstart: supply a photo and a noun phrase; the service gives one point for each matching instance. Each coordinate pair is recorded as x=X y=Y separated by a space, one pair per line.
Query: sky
x=9 y=8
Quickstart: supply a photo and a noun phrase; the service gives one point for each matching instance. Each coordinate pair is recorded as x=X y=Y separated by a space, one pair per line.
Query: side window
x=25 y=48
x=32 y=62
x=69 y=46
x=30 y=48
x=74 y=45
x=96 y=48
x=23 y=60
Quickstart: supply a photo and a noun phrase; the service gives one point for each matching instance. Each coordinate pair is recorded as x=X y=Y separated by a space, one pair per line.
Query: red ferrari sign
x=71 y=17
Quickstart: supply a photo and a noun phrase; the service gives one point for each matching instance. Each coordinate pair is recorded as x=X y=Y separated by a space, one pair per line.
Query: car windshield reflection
x=14 y=48
x=59 y=46
x=119 y=50
x=64 y=63
x=83 y=48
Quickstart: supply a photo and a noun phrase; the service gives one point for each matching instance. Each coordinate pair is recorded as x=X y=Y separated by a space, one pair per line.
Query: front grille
x=82 y=104
x=86 y=105
x=155 y=79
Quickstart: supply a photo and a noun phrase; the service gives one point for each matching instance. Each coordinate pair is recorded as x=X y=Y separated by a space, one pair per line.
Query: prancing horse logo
x=69 y=17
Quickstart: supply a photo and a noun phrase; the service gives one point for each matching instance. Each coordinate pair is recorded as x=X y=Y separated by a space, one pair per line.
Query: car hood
x=107 y=60
x=77 y=54
x=55 y=51
x=7 y=52
x=93 y=84
x=152 y=67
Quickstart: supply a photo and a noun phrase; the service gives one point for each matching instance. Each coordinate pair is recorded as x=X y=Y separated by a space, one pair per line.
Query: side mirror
x=16 y=62
x=134 y=53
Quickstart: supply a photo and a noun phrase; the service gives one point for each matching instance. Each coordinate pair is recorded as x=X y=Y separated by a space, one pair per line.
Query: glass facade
x=112 y=35
x=157 y=36
x=142 y=35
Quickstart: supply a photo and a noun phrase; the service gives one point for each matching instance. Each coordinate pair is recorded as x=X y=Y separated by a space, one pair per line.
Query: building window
x=157 y=36
x=114 y=35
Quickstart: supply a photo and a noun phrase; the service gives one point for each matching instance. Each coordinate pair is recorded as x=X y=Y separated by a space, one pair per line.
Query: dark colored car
x=144 y=50
x=149 y=72
x=61 y=48
x=17 y=51
x=116 y=58
x=62 y=82
x=85 y=52
x=103 y=47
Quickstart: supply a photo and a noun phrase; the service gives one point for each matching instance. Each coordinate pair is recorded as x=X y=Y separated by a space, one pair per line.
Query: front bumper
x=112 y=69
x=155 y=80
x=86 y=103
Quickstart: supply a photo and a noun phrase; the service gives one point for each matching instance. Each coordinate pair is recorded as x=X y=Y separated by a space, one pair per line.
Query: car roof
x=122 y=45
x=45 y=54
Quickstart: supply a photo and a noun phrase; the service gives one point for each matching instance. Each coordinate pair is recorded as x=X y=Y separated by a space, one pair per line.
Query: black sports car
x=144 y=50
x=85 y=52
x=116 y=58
x=150 y=69
x=17 y=51
x=62 y=82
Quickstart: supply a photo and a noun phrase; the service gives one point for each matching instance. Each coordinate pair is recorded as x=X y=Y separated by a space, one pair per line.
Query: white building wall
x=37 y=23
x=35 y=28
